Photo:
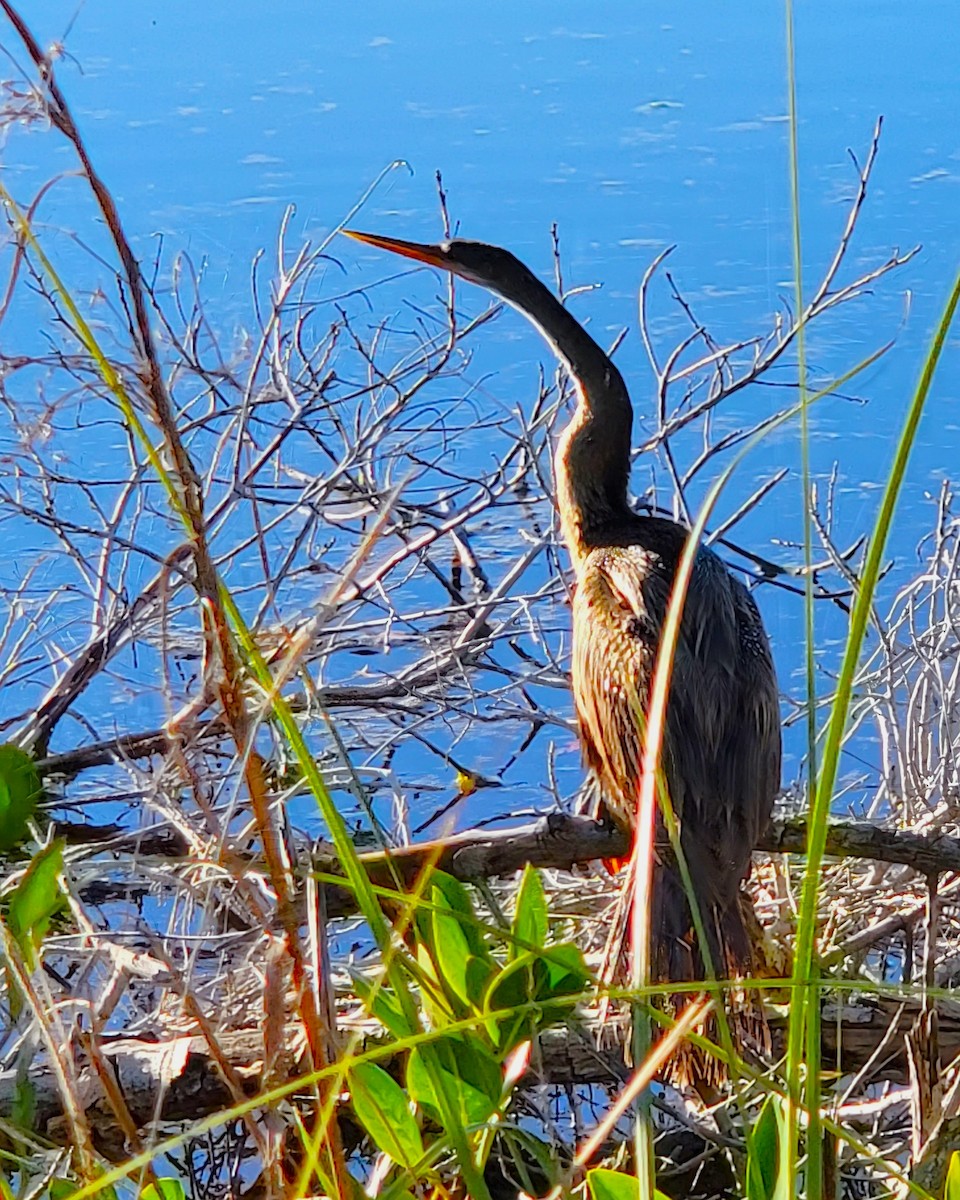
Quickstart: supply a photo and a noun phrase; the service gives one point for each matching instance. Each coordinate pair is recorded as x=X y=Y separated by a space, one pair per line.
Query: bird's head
x=489 y=266
x=594 y=454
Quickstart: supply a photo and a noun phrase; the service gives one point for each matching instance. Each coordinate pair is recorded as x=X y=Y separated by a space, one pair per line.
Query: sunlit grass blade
x=804 y=971
x=812 y=1082
x=660 y=687
x=695 y=1013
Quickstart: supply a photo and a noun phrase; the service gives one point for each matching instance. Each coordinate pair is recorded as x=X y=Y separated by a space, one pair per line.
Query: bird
x=721 y=750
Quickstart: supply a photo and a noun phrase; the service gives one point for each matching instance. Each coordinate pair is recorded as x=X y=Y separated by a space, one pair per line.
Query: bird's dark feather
x=721 y=750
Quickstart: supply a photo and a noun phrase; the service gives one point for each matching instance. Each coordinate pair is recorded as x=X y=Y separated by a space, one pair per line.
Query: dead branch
x=174 y=1077
x=561 y=841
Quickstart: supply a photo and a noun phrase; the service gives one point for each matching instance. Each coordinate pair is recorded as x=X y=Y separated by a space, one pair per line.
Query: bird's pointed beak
x=435 y=256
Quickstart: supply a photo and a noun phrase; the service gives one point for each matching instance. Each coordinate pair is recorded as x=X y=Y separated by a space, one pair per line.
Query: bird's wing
x=720 y=751
x=696 y=700
x=620 y=605
x=750 y=765
x=622 y=601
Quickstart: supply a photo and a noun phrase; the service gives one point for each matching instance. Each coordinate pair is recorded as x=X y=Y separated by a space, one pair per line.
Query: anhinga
x=721 y=750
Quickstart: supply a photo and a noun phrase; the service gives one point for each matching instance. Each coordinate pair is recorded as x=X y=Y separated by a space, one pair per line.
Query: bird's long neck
x=591 y=469
x=592 y=461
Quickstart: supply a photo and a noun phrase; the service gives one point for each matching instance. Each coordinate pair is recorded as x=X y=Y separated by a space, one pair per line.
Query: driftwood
x=561 y=840
x=178 y=1078
x=556 y=841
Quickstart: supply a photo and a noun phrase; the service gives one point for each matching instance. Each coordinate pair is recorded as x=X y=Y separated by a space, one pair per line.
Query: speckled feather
x=721 y=749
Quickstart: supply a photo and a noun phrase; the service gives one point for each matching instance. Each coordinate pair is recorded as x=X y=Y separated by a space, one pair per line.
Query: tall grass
x=806 y=1005
x=803 y=1128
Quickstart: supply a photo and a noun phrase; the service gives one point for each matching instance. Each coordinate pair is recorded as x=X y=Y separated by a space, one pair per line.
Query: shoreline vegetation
x=234 y=963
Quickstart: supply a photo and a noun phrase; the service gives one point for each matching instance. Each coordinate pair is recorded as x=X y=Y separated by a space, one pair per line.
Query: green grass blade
x=798 y=1011
x=804 y=976
x=280 y=711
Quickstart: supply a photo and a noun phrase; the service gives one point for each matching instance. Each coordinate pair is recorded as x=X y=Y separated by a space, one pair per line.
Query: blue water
x=631 y=131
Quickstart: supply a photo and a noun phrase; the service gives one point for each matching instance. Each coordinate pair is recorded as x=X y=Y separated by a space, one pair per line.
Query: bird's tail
x=677 y=954
x=734 y=953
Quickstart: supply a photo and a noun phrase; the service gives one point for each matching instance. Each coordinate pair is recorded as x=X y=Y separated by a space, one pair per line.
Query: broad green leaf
x=539 y=976
x=382 y=1004
x=512 y=988
x=530 y=917
x=451 y=894
x=469 y=1074
x=61 y=1188
x=951 y=1189
x=451 y=951
x=383 y=1109
x=479 y=972
x=36 y=899
x=532 y=978
x=764 y=1157
x=565 y=971
x=163 y=1189
x=461 y=958
x=439 y=1007
x=20 y=792
x=614 y=1185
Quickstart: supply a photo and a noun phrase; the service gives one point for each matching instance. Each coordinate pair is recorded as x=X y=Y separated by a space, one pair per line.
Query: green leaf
x=450 y=893
x=383 y=1109
x=461 y=958
x=532 y=978
x=538 y=977
x=20 y=793
x=565 y=971
x=382 y=1004
x=951 y=1189
x=530 y=917
x=36 y=899
x=451 y=952
x=512 y=988
x=439 y=1007
x=614 y=1185
x=61 y=1188
x=764 y=1157
x=478 y=975
x=163 y=1189
x=468 y=1073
